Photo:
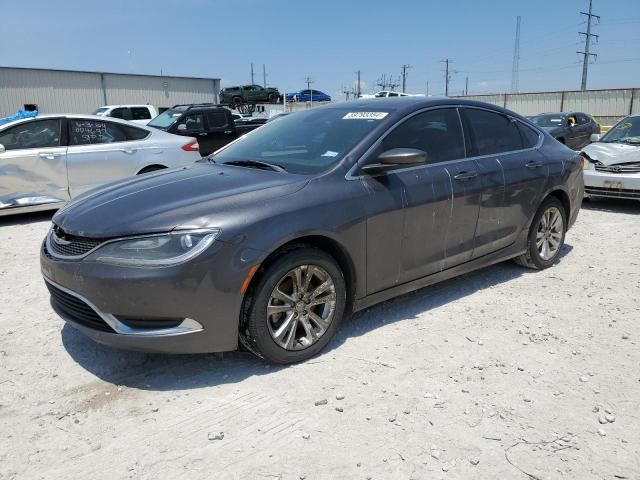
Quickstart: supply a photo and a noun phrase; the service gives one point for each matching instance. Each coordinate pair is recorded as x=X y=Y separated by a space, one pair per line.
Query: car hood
x=612 y=153
x=197 y=196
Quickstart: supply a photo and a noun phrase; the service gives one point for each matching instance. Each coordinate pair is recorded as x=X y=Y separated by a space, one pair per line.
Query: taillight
x=191 y=146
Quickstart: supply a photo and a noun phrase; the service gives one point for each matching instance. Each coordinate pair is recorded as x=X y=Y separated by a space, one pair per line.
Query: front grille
x=76 y=309
x=66 y=245
x=620 y=168
x=612 y=192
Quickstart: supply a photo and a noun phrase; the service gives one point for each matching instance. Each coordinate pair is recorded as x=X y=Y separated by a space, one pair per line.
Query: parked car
x=140 y=114
x=573 y=129
x=385 y=94
x=323 y=212
x=612 y=167
x=249 y=94
x=211 y=124
x=48 y=160
x=308 y=96
x=246 y=119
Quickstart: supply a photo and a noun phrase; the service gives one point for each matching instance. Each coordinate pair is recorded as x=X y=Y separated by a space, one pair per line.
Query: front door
x=421 y=219
x=512 y=172
x=33 y=168
x=219 y=132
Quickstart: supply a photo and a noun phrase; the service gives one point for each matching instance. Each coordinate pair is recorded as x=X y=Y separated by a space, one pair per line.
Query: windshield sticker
x=329 y=153
x=365 y=115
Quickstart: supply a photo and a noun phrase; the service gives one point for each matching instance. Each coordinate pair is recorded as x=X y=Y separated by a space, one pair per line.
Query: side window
x=122 y=113
x=492 y=132
x=140 y=113
x=393 y=94
x=216 y=120
x=134 y=133
x=529 y=136
x=582 y=119
x=93 y=132
x=38 y=134
x=193 y=121
x=437 y=132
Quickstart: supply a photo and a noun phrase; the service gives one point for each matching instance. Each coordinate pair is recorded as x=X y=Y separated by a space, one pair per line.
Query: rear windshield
x=101 y=111
x=305 y=142
x=548 y=120
x=166 y=119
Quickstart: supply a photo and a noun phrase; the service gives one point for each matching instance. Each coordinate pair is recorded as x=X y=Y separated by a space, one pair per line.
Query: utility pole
x=264 y=76
x=587 y=44
x=447 y=77
x=309 y=81
x=515 y=72
x=404 y=77
x=466 y=86
x=358 y=85
x=251 y=73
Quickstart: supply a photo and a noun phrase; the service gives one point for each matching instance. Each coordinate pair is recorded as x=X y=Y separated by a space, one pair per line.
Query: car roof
x=123 y=106
x=82 y=116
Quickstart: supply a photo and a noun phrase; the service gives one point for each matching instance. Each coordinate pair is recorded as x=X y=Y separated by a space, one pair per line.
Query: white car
x=48 y=160
x=612 y=168
x=140 y=114
x=389 y=93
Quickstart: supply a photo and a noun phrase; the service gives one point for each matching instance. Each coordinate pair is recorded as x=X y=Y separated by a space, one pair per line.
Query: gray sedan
x=283 y=232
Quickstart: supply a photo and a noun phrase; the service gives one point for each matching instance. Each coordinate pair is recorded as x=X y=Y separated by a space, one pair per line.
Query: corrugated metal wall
x=607 y=106
x=82 y=92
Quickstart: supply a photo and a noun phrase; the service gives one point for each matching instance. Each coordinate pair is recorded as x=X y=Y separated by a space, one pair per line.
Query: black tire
x=273 y=98
x=237 y=101
x=532 y=258
x=151 y=168
x=255 y=321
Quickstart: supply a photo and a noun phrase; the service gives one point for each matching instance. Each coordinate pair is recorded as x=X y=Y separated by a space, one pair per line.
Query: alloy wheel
x=301 y=307
x=549 y=234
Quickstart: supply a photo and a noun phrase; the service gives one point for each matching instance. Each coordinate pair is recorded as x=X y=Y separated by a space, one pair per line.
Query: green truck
x=239 y=95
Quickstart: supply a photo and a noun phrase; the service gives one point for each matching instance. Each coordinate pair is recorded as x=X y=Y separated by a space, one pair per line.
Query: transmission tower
x=515 y=72
x=404 y=77
x=387 y=83
x=587 y=44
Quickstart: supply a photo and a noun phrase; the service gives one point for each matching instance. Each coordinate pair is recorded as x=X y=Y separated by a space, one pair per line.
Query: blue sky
x=328 y=40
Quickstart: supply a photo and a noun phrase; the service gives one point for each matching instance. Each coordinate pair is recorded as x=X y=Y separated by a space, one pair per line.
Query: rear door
x=33 y=165
x=141 y=115
x=512 y=171
x=101 y=151
x=584 y=128
x=123 y=113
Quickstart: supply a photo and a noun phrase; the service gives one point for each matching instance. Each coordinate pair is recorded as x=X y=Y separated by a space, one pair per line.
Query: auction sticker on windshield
x=365 y=115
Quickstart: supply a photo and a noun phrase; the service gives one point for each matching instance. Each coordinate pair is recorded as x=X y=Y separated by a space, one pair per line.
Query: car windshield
x=306 y=142
x=549 y=120
x=625 y=131
x=166 y=119
x=101 y=111
x=381 y=94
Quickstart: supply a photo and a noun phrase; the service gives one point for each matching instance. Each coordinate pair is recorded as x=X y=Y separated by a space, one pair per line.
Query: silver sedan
x=48 y=160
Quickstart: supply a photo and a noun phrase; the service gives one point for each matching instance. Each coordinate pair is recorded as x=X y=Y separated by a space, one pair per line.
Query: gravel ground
x=503 y=373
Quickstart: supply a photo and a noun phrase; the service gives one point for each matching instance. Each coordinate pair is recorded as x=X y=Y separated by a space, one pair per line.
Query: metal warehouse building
x=65 y=91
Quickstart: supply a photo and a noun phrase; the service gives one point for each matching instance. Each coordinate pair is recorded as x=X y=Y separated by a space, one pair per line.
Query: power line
x=587 y=44
x=516 y=59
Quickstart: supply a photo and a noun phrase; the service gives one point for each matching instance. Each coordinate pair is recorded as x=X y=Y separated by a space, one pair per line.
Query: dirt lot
x=504 y=373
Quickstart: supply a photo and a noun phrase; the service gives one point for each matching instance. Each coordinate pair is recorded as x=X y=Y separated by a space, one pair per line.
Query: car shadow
x=26 y=218
x=156 y=372
x=612 y=205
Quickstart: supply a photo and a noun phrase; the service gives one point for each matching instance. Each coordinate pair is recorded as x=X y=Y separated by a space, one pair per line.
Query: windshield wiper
x=256 y=164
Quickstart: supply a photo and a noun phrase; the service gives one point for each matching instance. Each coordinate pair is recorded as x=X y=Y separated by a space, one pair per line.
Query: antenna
x=587 y=45
x=515 y=72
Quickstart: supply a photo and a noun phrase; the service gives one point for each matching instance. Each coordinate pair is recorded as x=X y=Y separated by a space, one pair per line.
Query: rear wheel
x=295 y=307
x=546 y=236
x=273 y=98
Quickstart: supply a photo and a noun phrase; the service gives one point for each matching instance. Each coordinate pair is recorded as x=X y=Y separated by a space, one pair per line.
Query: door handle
x=48 y=155
x=533 y=165
x=128 y=150
x=203 y=134
x=464 y=176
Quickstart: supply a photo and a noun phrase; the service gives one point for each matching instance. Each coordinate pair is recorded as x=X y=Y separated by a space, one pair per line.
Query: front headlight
x=163 y=250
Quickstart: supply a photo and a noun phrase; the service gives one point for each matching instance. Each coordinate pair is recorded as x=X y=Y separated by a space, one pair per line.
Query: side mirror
x=395 y=158
x=595 y=137
x=182 y=127
x=2 y=149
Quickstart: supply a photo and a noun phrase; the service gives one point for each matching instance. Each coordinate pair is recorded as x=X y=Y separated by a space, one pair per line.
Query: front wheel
x=295 y=307
x=546 y=236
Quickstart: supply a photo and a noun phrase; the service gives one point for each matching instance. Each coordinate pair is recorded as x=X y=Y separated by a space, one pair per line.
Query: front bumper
x=111 y=304
x=612 y=185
